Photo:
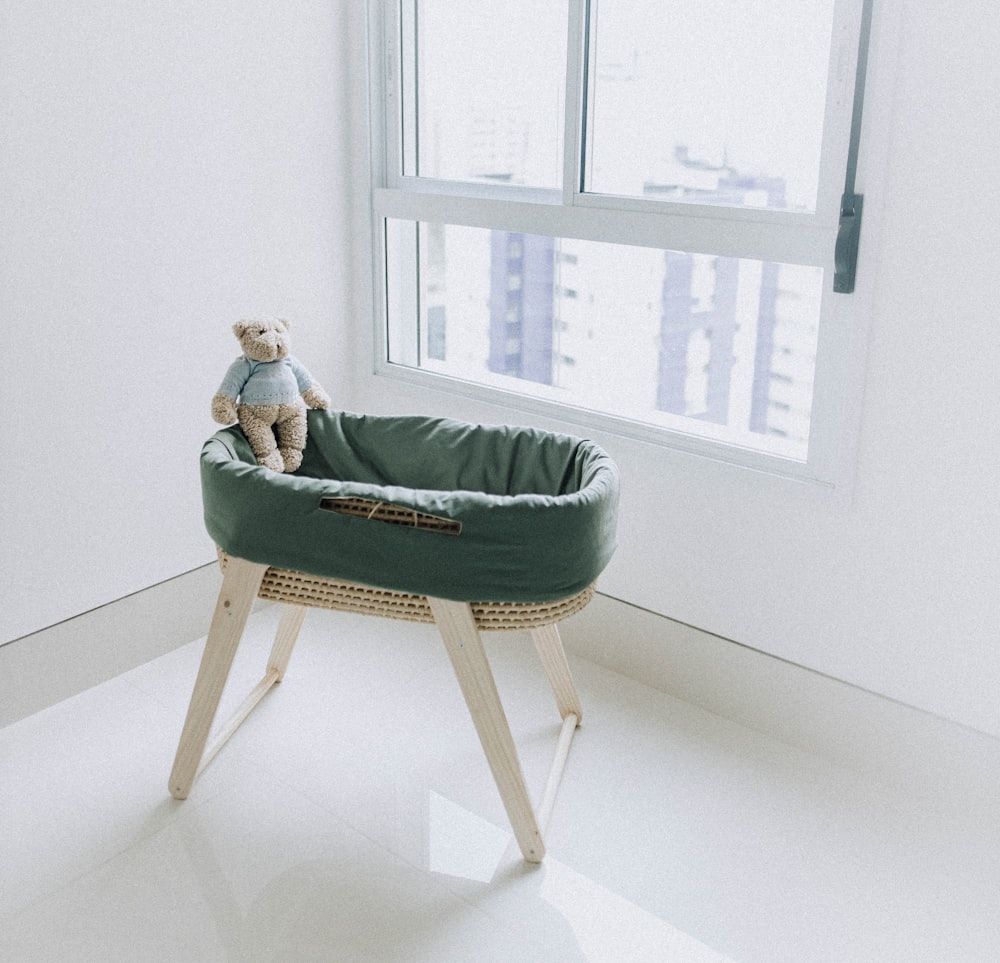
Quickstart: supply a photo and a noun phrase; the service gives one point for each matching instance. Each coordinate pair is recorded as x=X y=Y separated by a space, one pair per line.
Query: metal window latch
x=845 y=255
x=845 y=252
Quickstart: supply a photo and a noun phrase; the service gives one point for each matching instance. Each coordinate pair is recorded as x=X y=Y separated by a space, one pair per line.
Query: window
x=622 y=212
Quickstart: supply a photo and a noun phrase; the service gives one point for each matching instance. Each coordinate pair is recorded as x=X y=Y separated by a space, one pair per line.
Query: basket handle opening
x=370 y=510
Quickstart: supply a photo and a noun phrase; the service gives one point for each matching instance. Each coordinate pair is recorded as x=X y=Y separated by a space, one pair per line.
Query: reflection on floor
x=353 y=818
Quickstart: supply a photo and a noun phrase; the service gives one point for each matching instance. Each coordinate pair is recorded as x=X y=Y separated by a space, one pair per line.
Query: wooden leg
x=239 y=589
x=284 y=640
x=553 y=656
x=461 y=637
x=556 y=771
x=281 y=651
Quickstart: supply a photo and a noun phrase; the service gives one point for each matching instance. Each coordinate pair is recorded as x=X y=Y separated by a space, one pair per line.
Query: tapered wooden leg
x=553 y=656
x=461 y=637
x=550 y=650
x=284 y=640
x=281 y=651
x=236 y=598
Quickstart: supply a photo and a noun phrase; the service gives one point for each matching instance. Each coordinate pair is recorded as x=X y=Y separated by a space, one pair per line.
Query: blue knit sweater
x=265 y=382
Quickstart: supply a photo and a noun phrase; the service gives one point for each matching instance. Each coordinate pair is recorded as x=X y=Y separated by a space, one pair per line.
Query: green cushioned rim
x=538 y=510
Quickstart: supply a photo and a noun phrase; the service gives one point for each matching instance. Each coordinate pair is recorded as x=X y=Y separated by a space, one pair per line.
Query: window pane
x=719 y=347
x=483 y=97
x=710 y=101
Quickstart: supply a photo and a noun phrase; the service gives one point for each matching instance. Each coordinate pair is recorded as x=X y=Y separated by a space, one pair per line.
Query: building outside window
x=622 y=212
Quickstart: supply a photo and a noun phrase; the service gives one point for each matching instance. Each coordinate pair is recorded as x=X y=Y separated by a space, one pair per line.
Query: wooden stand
x=459 y=624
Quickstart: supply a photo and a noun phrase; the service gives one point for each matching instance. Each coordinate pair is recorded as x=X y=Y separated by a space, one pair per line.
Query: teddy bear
x=267 y=390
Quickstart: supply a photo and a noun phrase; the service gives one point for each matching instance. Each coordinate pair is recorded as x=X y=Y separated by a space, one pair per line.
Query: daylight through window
x=623 y=208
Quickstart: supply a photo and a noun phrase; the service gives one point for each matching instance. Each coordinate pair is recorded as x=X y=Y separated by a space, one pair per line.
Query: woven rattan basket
x=282 y=585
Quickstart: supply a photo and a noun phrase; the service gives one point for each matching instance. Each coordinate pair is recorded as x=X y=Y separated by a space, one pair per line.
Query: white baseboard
x=857 y=728
x=44 y=668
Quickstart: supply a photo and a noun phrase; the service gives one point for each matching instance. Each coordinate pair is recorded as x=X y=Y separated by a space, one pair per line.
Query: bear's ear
x=284 y=324
x=239 y=329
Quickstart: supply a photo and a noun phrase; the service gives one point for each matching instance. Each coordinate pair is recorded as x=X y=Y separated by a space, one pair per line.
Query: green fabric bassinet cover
x=537 y=510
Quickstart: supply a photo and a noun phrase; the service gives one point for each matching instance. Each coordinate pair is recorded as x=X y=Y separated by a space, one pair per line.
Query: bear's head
x=263 y=340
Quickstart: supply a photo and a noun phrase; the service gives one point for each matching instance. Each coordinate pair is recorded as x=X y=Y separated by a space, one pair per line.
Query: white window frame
x=793 y=237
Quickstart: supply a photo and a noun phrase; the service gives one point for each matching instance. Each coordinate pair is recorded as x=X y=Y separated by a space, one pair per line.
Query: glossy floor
x=353 y=818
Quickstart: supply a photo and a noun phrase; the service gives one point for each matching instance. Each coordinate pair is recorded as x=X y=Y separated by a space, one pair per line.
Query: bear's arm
x=312 y=393
x=236 y=378
x=302 y=377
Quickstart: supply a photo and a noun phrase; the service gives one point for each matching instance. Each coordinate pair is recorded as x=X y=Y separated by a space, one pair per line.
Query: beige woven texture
x=283 y=585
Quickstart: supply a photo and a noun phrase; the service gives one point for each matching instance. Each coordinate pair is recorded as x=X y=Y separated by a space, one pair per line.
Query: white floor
x=353 y=818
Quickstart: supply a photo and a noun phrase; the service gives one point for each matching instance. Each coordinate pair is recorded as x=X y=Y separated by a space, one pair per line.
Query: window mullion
x=388 y=116
x=785 y=240
x=575 y=100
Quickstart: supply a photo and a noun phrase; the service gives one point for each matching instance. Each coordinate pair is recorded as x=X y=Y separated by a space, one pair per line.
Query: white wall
x=165 y=169
x=892 y=586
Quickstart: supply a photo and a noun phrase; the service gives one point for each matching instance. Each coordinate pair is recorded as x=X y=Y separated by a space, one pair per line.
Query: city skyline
x=727 y=345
